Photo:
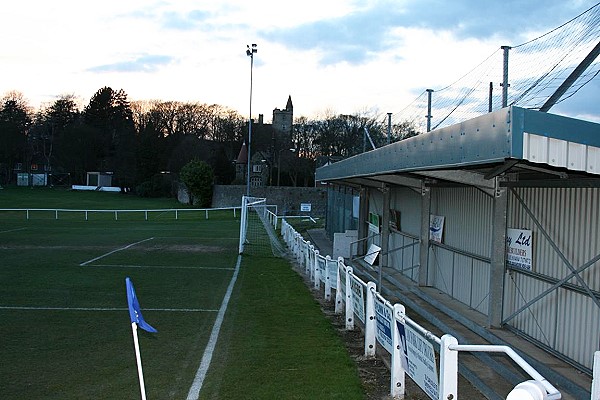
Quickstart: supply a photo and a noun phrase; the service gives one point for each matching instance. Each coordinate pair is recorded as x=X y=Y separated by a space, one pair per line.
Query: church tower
x=283 y=120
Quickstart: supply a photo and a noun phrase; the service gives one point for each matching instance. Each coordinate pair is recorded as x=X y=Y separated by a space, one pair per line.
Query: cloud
x=185 y=21
x=146 y=63
x=369 y=29
x=350 y=38
x=509 y=18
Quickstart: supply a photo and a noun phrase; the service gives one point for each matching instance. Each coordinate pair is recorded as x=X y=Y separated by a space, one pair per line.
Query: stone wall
x=287 y=199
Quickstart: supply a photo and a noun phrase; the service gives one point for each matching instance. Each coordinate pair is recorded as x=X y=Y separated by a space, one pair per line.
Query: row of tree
x=141 y=141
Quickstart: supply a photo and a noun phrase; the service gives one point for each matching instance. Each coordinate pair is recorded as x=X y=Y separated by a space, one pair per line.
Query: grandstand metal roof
x=531 y=143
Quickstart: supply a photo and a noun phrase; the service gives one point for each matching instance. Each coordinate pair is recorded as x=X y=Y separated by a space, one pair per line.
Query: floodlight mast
x=250 y=50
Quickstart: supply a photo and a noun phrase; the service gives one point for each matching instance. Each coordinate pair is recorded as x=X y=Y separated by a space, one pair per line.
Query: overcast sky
x=329 y=55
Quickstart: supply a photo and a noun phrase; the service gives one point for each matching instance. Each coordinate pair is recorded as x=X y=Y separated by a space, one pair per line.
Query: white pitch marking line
x=194 y=392
x=13 y=230
x=158 y=266
x=104 y=309
x=114 y=251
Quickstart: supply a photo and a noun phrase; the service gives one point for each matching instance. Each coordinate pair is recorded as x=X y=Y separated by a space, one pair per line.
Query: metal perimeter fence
x=56 y=213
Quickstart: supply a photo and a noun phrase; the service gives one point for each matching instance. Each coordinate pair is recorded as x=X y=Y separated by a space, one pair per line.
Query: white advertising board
x=372 y=254
x=383 y=319
x=358 y=298
x=421 y=360
x=519 y=243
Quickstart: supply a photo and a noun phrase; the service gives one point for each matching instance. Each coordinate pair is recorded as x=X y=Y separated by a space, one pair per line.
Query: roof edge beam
x=460 y=176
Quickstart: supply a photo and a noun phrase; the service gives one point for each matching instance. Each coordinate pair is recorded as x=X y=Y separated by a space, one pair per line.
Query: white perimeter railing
x=274 y=219
x=176 y=211
x=409 y=344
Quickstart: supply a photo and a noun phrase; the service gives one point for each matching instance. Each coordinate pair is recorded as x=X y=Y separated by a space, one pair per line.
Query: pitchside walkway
x=493 y=375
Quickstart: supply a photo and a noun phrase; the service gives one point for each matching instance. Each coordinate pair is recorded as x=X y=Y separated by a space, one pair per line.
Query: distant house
x=267 y=142
x=259 y=168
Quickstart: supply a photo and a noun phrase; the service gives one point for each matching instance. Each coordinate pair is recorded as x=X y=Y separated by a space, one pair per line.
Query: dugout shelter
x=500 y=212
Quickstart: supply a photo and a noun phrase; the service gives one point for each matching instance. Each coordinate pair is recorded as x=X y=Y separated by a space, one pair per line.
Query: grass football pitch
x=65 y=327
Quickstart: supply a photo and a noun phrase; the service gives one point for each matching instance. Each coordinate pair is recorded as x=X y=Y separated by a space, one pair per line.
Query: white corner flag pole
x=138 y=358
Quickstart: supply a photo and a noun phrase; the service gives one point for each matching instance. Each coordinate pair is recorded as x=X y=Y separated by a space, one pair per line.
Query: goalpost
x=257 y=234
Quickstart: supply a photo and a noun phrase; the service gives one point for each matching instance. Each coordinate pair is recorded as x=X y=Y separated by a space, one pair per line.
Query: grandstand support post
x=498 y=255
x=398 y=364
x=363 y=216
x=596 y=377
x=327 y=279
x=505 y=76
x=385 y=234
x=424 y=242
x=370 y=322
x=338 y=289
x=349 y=304
x=429 y=116
x=448 y=388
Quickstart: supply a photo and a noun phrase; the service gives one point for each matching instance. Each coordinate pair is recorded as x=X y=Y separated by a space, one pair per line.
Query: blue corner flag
x=135 y=313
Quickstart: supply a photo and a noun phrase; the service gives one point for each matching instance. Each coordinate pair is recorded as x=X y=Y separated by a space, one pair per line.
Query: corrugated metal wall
x=408 y=202
x=566 y=319
x=461 y=268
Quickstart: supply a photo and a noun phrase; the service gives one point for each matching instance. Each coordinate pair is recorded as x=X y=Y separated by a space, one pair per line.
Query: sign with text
x=519 y=245
x=374 y=223
x=358 y=298
x=383 y=320
x=372 y=254
x=421 y=360
x=436 y=228
x=305 y=207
